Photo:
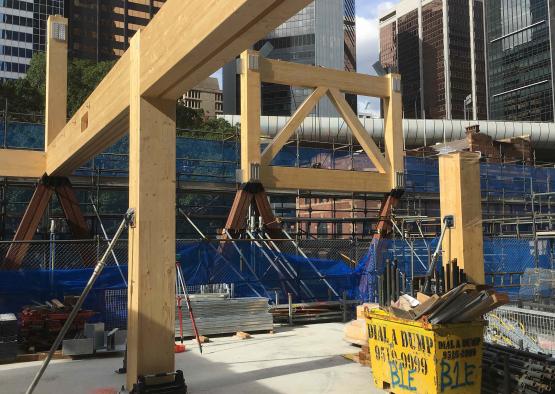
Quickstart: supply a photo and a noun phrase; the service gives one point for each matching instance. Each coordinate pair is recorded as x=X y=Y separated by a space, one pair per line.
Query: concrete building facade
x=206 y=96
x=23 y=32
x=519 y=39
x=322 y=34
x=438 y=48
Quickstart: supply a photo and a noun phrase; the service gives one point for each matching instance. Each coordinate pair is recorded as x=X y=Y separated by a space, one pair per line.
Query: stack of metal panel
x=8 y=337
x=219 y=314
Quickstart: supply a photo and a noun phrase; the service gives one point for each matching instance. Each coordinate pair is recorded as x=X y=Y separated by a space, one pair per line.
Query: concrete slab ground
x=304 y=359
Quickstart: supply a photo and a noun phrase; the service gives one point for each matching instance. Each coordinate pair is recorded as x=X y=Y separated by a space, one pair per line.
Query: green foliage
x=193 y=123
x=27 y=95
x=83 y=77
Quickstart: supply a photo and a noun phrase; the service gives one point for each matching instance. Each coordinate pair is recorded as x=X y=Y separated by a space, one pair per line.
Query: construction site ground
x=301 y=359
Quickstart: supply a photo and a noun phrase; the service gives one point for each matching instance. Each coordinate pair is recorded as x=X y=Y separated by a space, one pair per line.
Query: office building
x=23 y=32
x=442 y=69
x=519 y=60
x=322 y=34
x=206 y=96
x=101 y=30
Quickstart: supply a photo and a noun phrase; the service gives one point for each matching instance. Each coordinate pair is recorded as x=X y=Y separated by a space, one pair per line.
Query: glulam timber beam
x=302 y=75
x=56 y=81
x=152 y=166
x=183 y=44
x=459 y=192
x=319 y=179
x=22 y=163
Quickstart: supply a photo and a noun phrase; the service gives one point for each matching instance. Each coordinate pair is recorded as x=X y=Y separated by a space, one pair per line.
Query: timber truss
x=256 y=165
x=183 y=44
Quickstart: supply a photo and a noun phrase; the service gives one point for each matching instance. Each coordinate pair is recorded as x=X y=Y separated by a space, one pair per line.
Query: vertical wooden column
x=151 y=322
x=459 y=184
x=56 y=77
x=393 y=131
x=250 y=114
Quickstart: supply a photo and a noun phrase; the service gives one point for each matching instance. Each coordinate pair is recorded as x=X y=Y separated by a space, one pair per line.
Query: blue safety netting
x=21 y=288
x=251 y=269
x=203 y=262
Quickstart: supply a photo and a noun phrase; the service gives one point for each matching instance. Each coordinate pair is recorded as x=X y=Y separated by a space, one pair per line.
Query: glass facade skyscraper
x=22 y=32
x=438 y=49
x=322 y=34
x=519 y=60
x=101 y=30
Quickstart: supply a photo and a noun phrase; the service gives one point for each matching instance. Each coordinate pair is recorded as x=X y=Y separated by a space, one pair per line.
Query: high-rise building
x=101 y=30
x=439 y=51
x=206 y=96
x=322 y=34
x=519 y=59
x=23 y=32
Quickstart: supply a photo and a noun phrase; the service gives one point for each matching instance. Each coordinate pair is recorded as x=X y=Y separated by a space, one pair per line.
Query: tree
x=27 y=95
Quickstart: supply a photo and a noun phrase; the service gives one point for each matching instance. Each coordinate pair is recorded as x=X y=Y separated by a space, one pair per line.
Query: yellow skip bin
x=418 y=357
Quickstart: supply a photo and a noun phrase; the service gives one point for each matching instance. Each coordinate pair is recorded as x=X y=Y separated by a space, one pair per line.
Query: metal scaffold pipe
x=129 y=215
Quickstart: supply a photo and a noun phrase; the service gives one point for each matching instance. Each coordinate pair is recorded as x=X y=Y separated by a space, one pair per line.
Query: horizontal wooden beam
x=301 y=75
x=189 y=40
x=318 y=179
x=183 y=44
x=22 y=163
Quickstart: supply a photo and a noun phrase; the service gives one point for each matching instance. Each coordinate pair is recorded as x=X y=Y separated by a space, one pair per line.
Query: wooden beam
x=22 y=163
x=318 y=179
x=237 y=219
x=359 y=132
x=250 y=115
x=183 y=44
x=56 y=80
x=28 y=226
x=393 y=131
x=189 y=40
x=292 y=124
x=100 y=122
x=75 y=219
x=294 y=74
x=459 y=184
x=152 y=167
x=72 y=210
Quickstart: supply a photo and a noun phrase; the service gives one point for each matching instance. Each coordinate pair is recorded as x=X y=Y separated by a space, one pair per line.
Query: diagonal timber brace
x=34 y=213
x=246 y=195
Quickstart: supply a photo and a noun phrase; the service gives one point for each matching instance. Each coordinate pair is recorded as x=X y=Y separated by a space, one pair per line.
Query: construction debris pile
x=40 y=324
x=8 y=337
x=464 y=303
x=217 y=313
x=507 y=370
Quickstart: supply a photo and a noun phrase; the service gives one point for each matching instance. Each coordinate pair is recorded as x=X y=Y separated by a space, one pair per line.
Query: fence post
x=344 y=302
x=290 y=309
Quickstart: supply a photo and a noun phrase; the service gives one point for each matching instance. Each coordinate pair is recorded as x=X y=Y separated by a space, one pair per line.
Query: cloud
x=368 y=46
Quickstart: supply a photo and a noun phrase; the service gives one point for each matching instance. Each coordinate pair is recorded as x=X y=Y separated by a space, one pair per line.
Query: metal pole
x=290 y=309
x=105 y=234
x=220 y=256
x=448 y=222
x=311 y=264
x=246 y=262
x=96 y=273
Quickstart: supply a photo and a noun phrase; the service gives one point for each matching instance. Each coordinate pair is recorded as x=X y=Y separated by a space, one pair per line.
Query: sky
x=367 y=46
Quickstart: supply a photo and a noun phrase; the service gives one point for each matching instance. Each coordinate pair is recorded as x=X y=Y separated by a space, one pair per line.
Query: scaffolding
x=517 y=199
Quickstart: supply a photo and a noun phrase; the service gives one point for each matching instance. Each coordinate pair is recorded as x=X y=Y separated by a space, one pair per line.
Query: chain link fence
x=506 y=259
x=522 y=328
